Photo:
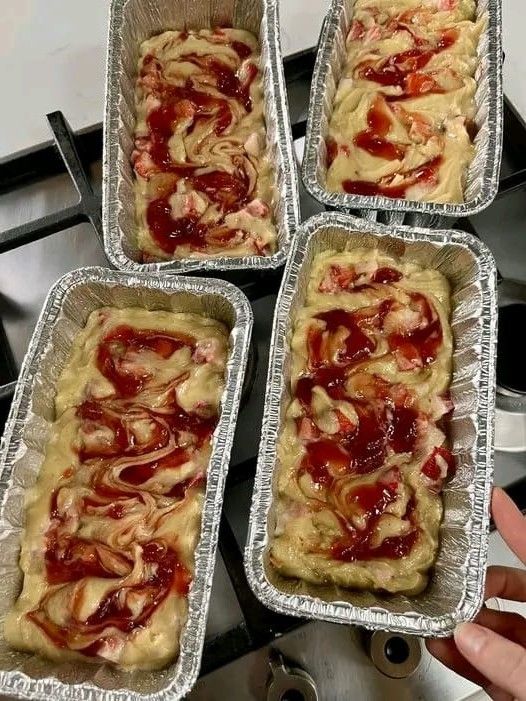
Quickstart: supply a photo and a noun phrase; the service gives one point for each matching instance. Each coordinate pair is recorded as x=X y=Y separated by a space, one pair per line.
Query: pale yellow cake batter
x=430 y=108
x=313 y=514
x=92 y=506
x=209 y=85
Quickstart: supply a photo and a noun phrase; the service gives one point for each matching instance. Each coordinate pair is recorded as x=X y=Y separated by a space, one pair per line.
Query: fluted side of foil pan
x=482 y=178
x=455 y=591
x=65 y=312
x=133 y=21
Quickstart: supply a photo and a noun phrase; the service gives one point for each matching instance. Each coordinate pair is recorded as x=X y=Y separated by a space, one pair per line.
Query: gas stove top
x=50 y=224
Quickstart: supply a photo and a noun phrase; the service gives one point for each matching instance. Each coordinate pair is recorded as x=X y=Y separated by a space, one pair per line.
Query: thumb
x=498 y=659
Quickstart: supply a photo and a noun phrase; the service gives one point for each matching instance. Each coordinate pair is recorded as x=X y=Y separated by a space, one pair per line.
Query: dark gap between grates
x=260 y=622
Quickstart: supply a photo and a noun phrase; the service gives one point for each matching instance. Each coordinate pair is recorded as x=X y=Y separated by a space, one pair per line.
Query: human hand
x=492 y=651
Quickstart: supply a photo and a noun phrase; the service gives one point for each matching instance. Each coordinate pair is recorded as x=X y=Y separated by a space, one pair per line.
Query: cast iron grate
x=75 y=153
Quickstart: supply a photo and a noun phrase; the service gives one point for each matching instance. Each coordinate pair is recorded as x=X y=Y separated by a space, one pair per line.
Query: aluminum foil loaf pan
x=456 y=587
x=133 y=21
x=65 y=312
x=482 y=178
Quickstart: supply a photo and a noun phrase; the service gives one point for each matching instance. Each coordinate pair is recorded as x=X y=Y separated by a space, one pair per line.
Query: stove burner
x=289 y=683
x=396 y=650
x=511 y=375
x=292 y=695
x=395 y=656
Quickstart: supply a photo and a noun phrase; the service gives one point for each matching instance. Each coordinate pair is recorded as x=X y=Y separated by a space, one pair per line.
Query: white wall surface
x=514 y=40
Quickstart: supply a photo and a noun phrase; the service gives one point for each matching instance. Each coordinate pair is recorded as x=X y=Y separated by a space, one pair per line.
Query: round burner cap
x=396 y=656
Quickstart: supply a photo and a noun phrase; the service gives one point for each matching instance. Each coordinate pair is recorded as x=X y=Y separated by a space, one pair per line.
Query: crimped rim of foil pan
x=182 y=674
x=488 y=97
x=276 y=103
x=376 y=616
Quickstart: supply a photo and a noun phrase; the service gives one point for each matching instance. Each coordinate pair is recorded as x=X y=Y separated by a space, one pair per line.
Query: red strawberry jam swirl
x=123 y=444
x=215 y=96
x=359 y=544
x=411 y=74
x=425 y=174
x=384 y=421
x=439 y=466
x=347 y=278
x=163 y=573
x=404 y=70
x=373 y=139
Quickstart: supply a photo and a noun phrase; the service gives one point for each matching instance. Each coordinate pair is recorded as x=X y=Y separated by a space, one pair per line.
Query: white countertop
x=54 y=51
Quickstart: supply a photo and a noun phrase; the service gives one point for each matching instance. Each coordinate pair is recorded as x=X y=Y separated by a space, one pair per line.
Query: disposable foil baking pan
x=65 y=312
x=456 y=587
x=482 y=178
x=133 y=21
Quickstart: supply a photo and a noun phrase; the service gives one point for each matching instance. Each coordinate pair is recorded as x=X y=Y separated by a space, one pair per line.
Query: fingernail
x=469 y=638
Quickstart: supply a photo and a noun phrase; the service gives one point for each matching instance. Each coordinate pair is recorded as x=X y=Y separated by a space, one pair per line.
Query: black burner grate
x=75 y=153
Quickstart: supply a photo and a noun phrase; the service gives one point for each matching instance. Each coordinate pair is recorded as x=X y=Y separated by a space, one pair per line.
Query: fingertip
x=445 y=651
x=470 y=638
x=500 y=660
x=430 y=646
x=434 y=645
x=500 y=500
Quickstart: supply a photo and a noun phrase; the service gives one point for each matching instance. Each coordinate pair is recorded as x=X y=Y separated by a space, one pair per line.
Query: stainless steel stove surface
x=252 y=653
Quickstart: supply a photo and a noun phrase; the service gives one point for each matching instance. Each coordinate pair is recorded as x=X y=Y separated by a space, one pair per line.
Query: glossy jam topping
x=226 y=80
x=373 y=138
x=188 y=105
x=402 y=429
x=170 y=422
x=387 y=421
x=185 y=105
x=357 y=344
x=164 y=572
x=214 y=96
x=367 y=444
x=332 y=379
x=386 y=275
x=359 y=544
x=360 y=547
x=419 y=347
x=339 y=277
x=123 y=444
x=241 y=49
x=378 y=119
x=378 y=146
x=94 y=415
x=411 y=74
x=399 y=70
x=364 y=447
x=439 y=465
x=229 y=191
x=169 y=233
x=324 y=460
x=76 y=558
x=372 y=499
x=119 y=348
x=142 y=472
x=180 y=489
x=425 y=174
